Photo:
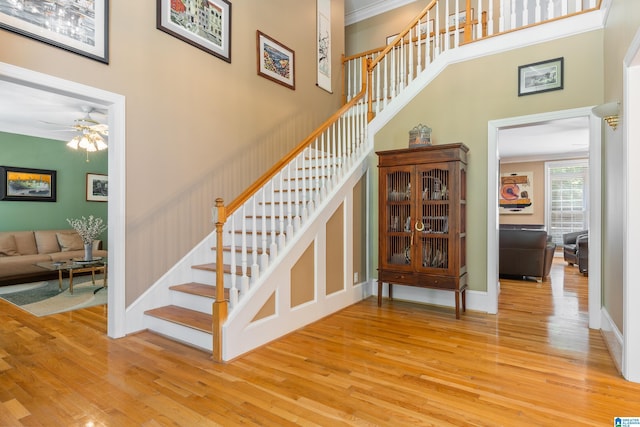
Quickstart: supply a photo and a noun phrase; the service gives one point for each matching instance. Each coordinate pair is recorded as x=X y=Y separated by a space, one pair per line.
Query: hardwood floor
x=533 y=364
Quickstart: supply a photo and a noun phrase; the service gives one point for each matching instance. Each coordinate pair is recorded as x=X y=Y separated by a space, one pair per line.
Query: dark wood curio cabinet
x=422 y=197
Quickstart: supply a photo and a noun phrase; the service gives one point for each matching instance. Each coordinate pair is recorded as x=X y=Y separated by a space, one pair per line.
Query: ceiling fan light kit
x=90 y=138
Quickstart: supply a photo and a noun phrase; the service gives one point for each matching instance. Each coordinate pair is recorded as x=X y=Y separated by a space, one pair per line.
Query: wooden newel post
x=220 y=306
x=369 y=84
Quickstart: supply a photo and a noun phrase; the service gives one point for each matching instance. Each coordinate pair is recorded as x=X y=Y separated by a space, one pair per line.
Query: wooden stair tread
x=200 y=289
x=227 y=268
x=184 y=316
x=260 y=251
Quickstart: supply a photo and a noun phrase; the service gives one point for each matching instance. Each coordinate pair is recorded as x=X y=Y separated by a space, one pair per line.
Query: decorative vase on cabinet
x=422 y=235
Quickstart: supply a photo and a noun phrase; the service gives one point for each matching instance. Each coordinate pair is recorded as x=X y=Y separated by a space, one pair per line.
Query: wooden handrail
x=403 y=33
x=253 y=188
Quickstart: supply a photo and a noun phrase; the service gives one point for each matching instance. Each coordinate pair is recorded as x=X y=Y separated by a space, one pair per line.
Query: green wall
x=71 y=167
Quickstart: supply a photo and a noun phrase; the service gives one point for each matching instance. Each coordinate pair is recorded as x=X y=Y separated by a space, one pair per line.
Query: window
x=567 y=197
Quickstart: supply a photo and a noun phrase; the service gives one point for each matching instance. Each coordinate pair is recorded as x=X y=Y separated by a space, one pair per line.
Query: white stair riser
x=189 y=336
x=193 y=302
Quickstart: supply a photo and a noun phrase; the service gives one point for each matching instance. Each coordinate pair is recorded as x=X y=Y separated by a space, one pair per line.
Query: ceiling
x=33 y=112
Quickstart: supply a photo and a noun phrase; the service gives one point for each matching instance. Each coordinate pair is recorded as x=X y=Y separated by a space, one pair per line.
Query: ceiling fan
x=90 y=133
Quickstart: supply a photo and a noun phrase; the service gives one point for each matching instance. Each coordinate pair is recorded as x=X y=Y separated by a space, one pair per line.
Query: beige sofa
x=20 y=251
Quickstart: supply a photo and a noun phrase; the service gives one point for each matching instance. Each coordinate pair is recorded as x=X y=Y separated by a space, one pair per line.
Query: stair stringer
x=241 y=333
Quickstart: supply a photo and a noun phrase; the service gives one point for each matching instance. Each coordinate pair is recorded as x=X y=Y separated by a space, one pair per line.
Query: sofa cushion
x=47 y=242
x=26 y=242
x=8 y=245
x=70 y=241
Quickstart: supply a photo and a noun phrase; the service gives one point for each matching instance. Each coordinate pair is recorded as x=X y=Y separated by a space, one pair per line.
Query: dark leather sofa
x=525 y=253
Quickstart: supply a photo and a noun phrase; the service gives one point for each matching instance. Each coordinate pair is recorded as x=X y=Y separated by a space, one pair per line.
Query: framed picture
x=423 y=32
x=541 y=77
x=29 y=185
x=205 y=25
x=323 y=38
x=97 y=187
x=276 y=62
x=80 y=27
x=462 y=18
x=516 y=193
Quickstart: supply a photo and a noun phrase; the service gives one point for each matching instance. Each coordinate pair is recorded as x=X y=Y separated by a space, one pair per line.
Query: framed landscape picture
x=27 y=185
x=97 y=187
x=276 y=62
x=541 y=77
x=80 y=27
x=206 y=25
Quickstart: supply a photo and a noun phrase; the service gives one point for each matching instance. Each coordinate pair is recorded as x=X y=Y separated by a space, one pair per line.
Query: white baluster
x=550 y=10
x=479 y=26
x=501 y=18
x=244 y=282
x=578 y=6
x=525 y=13
x=233 y=292
x=289 y=203
x=255 y=268
x=300 y=198
x=538 y=12
x=323 y=171
x=436 y=50
x=273 y=251
x=281 y=235
x=490 y=20
x=309 y=183
x=264 y=258
x=513 y=15
x=384 y=63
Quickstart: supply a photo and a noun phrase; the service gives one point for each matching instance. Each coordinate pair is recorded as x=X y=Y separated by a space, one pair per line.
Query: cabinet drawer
x=398 y=277
x=438 y=282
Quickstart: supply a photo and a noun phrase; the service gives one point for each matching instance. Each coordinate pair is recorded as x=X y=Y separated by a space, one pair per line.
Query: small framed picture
x=27 y=185
x=541 y=77
x=462 y=18
x=203 y=24
x=77 y=26
x=276 y=62
x=97 y=187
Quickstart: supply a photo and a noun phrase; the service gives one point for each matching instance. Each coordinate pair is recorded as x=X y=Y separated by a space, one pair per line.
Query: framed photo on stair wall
x=276 y=62
x=208 y=27
x=541 y=77
x=80 y=26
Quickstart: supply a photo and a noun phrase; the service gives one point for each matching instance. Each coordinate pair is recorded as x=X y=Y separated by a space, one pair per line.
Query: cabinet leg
x=390 y=291
x=379 y=293
x=457 y=293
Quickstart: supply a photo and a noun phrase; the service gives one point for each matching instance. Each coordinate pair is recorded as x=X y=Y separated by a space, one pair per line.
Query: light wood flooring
x=404 y=364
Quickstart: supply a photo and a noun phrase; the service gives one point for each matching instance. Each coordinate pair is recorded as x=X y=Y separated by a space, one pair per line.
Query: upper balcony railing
x=441 y=26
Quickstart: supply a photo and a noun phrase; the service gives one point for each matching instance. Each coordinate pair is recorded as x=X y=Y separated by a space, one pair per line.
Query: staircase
x=267 y=228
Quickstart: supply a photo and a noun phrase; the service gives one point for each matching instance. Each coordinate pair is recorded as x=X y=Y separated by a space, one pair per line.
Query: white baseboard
x=476 y=300
x=612 y=338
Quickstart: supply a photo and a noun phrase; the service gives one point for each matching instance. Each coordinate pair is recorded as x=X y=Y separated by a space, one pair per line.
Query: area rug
x=44 y=298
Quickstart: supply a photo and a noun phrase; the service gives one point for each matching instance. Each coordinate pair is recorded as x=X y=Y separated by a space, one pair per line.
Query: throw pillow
x=8 y=245
x=70 y=242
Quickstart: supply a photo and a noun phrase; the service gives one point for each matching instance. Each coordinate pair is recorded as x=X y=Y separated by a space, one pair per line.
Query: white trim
x=631 y=229
x=595 y=176
x=115 y=105
x=613 y=338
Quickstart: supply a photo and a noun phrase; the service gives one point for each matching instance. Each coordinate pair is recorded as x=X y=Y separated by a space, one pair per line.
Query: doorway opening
x=493 y=163
x=114 y=104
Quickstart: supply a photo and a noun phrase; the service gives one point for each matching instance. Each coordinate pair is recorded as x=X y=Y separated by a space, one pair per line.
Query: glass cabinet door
x=396 y=215
x=432 y=224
